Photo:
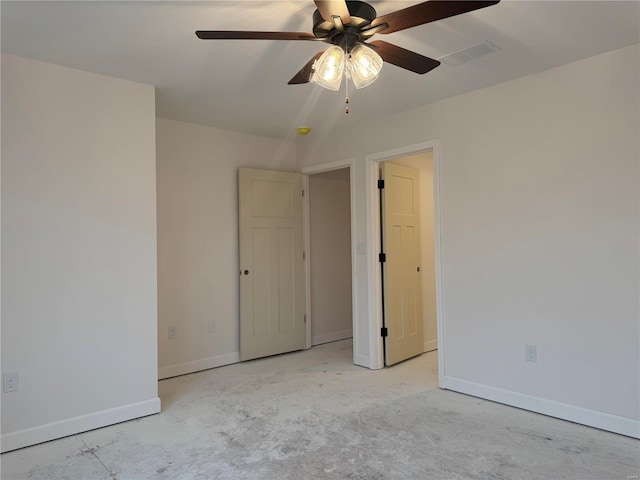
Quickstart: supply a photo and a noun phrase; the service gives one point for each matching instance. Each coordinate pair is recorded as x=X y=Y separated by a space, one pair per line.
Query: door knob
x=417 y=269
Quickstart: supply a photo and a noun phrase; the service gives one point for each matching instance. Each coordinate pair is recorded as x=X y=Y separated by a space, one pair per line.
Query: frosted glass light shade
x=329 y=68
x=364 y=66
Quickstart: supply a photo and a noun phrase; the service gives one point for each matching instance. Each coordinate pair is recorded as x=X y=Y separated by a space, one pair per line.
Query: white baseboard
x=83 y=423
x=197 y=365
x=591 y=418
x=430 y=345
x=331 y=337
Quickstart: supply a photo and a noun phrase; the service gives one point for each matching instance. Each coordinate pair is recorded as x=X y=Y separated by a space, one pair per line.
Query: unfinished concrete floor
x=314 y=415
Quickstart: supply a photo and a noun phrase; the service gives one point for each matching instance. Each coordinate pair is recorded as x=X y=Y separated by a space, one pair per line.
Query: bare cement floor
x=314 y=415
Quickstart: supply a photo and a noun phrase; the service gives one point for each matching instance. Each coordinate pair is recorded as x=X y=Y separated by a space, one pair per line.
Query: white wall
x=423 y=162
x=540 y=231
x=330 y=256
x=198 y=239
x=78 y=251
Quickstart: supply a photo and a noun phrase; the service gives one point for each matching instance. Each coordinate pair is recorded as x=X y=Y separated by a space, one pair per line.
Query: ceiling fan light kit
x=361 y=65
x=348 y=26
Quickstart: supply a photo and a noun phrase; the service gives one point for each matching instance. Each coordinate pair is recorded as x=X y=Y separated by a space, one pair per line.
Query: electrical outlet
x=173 y=332
x=10 y=382
x=531 y=353
x=212 y=326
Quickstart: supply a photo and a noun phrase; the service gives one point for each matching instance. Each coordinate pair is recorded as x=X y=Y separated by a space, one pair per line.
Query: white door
x=272 y=280
x=402 y=291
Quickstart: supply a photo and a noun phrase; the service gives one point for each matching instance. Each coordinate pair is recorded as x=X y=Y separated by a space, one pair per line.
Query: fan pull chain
x=346 y=100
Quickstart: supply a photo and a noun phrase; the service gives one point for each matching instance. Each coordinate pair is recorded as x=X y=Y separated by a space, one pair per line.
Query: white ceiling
x=242 y=85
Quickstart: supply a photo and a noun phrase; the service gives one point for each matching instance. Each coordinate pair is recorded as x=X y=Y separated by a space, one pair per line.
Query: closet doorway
x=330 y=256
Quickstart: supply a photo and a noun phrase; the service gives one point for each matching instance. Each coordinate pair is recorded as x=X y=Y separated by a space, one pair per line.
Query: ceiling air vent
x=469 y=54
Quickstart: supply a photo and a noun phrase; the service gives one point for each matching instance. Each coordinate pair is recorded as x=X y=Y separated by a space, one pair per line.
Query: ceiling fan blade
x=404 y=58
x=330 y=8
x=427 y=12
x=304 y=75
x=238 y=35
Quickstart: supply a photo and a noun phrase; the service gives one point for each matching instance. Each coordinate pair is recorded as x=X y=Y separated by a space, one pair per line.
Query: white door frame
x=374 y=277
x=327 y=167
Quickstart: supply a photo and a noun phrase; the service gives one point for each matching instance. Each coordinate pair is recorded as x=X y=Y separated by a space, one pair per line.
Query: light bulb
x=328 y=69
x=364 y=65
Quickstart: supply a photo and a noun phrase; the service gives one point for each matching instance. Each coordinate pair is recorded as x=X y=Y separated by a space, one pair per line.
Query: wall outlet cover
x=531 y=353
x=10 y=382
x=173 y=332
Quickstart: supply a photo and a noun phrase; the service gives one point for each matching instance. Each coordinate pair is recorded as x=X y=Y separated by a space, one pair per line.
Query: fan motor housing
x=362 y=14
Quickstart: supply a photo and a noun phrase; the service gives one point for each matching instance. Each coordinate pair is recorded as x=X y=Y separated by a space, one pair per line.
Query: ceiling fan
x=347 y=26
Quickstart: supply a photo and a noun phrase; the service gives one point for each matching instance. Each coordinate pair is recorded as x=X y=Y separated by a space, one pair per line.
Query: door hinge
x=382 y=257
x=383 y=331
x=304 y=255
x=305 y=318
x=380 y=184
x=303 y=192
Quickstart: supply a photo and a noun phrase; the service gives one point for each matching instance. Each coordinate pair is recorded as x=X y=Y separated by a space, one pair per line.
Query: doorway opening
x=407 y=216
x=425 y=158
x=330 y=279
